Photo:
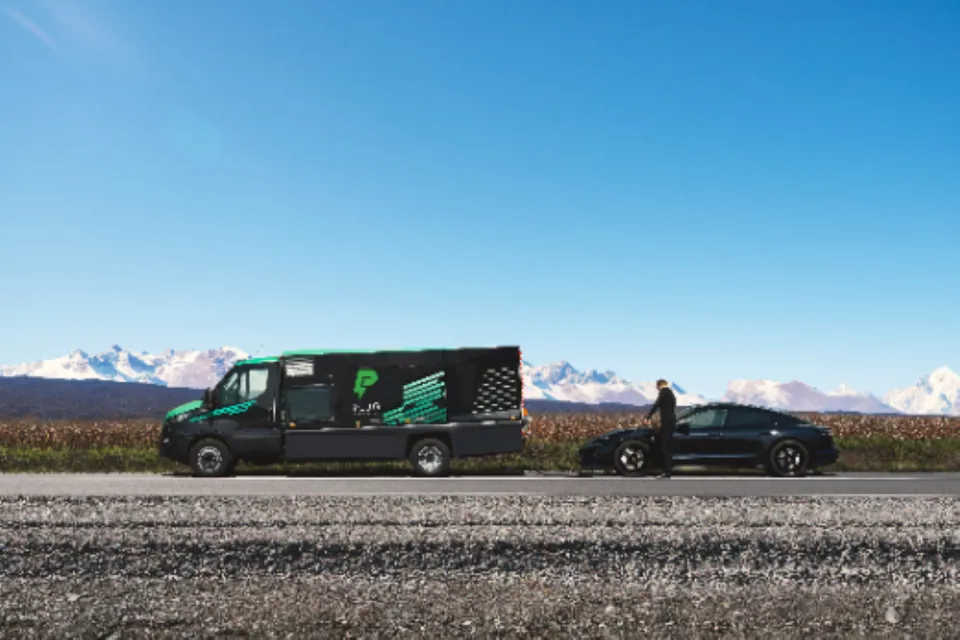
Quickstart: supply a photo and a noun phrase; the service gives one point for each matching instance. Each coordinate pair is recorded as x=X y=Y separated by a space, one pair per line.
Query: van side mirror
x=208 y=398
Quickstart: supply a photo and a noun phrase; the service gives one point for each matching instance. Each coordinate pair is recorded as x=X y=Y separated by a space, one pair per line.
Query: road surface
x=849 y=484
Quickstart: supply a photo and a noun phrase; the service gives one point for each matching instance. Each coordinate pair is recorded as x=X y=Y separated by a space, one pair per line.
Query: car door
x=698 y=436
x=742 y=431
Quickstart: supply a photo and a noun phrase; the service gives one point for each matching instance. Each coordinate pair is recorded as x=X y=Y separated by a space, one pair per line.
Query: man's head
x=661 y=383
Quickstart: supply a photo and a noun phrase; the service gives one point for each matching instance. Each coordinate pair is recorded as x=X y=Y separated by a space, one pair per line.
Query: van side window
x=230 y=391
x=243 y=385
x=255 y=384
x=309 y=403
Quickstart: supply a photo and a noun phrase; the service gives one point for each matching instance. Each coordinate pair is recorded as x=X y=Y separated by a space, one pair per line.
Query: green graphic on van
x=232 y=410
x=366 y=378
x=419 y=398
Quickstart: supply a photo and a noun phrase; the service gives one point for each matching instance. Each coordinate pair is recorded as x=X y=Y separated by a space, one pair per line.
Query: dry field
x=550 y=428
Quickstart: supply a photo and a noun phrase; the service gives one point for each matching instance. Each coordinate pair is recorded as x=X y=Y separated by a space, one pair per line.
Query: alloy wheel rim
x=430 y=459
x=789 y=459
x=632 y=458
x=209 y=459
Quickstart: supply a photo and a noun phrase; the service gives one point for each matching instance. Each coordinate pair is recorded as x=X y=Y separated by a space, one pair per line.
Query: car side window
x=747 y=418
x=706 y=419
x=784 y=419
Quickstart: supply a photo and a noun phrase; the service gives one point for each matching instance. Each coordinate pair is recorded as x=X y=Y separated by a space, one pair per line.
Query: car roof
x=738 y=405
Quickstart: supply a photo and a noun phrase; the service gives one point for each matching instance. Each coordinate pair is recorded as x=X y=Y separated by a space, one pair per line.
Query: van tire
x=430 y=458
x=211 y=458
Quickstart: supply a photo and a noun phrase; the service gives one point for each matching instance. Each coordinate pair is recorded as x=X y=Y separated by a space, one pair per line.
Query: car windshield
x=686 y=412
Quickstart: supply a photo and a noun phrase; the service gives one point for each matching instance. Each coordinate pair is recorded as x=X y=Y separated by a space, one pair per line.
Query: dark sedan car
x=719 y=434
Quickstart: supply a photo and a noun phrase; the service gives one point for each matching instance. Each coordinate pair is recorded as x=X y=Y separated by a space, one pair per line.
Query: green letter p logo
x=366 y=378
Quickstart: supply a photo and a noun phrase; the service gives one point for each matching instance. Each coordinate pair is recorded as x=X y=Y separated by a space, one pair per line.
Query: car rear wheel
x=788 y=459
x=430 y=458
x=211 y=458
x=631 y=458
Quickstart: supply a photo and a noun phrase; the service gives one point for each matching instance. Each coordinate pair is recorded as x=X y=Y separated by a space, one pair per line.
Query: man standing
x=667 y=404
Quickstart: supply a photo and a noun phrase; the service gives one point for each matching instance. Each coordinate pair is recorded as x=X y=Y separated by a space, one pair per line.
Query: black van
x=426 y=406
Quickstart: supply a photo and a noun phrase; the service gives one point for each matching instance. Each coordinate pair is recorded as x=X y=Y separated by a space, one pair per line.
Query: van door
x=244 y=412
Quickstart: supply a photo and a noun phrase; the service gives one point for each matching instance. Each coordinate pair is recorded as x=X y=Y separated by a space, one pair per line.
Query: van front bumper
x=173 y=448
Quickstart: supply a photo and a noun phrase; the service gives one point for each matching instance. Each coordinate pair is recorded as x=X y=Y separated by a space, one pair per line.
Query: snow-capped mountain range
x=561 y=381
x=193 y=369
x=937 y=393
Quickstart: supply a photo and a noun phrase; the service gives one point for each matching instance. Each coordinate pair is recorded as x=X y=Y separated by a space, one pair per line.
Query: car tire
x=631 y=458
x=788 y=459
x=211 y=458
x=430 y=458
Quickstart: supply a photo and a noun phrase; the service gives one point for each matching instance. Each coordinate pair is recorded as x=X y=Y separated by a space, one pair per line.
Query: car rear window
x=748 y=417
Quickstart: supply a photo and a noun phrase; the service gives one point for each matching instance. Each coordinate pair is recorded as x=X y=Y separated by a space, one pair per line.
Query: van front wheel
x=430 y=458
x=211 y=458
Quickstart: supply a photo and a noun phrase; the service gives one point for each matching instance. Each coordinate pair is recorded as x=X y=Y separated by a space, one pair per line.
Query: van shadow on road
x=387 y=471
x=366 y=472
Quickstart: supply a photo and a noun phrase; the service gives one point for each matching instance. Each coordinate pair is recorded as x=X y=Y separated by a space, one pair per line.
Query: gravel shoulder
x=479 y=566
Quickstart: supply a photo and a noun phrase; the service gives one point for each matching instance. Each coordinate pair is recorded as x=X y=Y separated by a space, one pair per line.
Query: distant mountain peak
x=846 y=390
x=560 y=380
x=799 y=396
x=938 y=392
x=941 y=376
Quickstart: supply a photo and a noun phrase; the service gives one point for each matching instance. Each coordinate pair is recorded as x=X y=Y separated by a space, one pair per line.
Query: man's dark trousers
x=666 y=445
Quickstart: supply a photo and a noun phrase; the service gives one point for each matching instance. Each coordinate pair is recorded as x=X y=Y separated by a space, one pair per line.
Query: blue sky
x=698 y=190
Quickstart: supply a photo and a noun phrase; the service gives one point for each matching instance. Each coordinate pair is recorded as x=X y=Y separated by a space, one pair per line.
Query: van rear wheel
x=430 y=458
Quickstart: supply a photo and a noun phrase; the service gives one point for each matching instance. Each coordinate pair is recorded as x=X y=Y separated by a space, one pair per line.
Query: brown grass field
x=547 y=428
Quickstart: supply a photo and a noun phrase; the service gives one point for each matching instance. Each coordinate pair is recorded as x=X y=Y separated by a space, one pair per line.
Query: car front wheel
x=788 y=459
x=631 y=458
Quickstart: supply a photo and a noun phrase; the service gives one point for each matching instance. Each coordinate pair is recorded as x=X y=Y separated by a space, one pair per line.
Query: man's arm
x=656 y=405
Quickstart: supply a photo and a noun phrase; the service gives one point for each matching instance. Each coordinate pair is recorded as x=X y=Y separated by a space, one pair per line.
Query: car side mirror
x=208 y=398
x=684 y=428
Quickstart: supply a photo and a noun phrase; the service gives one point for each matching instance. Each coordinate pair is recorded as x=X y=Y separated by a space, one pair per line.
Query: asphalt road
x=861 y=484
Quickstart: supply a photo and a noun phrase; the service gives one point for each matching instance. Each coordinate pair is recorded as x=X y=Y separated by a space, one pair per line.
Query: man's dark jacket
x=667 y=405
